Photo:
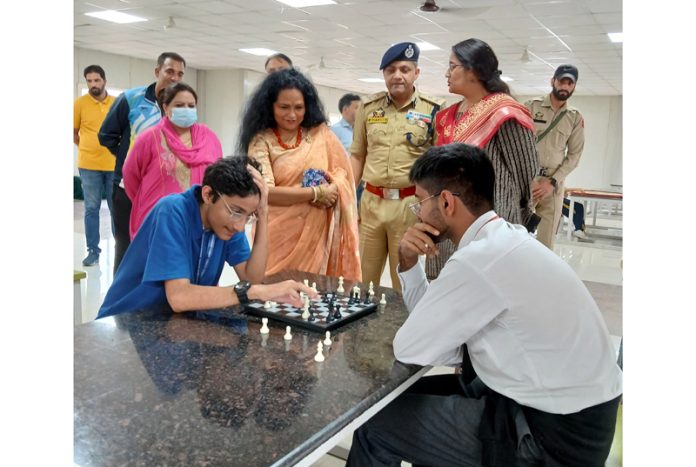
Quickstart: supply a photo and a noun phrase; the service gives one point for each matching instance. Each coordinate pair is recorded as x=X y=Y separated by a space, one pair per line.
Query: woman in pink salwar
x=313 y=222
x=169 y=157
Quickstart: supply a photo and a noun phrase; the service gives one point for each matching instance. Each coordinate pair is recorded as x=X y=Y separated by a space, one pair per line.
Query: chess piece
x=371 y=291
x=306 y=282
x=287 y=335
x=305 y=312
x=319 y=357
x=314 y=286
x=337 y=314
x=340 y=285
x=367 y=300
x=264 y=328
x=327 y=341
x=384 y=300
x=311 y=317
x=267 y=305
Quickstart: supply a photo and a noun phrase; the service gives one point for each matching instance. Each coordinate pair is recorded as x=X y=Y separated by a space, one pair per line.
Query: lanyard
x=484 y=224
x=208 y=254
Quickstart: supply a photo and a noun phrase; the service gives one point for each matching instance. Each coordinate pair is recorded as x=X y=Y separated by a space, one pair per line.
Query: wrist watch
x=553 y=182
x=241 y=290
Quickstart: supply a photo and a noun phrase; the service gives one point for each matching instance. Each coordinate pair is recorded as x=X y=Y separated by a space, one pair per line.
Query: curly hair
x=258 y=114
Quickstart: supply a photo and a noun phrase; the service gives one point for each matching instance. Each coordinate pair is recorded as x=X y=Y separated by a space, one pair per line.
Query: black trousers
x=121 y=216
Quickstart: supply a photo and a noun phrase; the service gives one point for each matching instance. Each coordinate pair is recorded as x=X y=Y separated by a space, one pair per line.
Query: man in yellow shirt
x=94 y=161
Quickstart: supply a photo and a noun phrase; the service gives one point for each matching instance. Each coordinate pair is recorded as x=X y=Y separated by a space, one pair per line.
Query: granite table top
x=206 y=388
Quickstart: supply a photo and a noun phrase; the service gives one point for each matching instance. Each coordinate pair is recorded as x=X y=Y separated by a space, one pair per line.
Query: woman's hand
x=262 y=210
x=329 y=195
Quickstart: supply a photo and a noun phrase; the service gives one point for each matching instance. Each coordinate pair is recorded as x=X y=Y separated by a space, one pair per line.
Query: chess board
x=292 y=316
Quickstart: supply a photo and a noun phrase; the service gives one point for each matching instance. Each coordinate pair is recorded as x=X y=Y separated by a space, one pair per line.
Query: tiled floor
x=597 y=262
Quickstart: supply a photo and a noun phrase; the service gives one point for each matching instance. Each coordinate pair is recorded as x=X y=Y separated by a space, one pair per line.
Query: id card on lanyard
x=207 y=245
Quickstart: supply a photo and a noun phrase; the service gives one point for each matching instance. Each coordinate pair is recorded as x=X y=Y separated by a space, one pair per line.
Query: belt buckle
x=390 y=193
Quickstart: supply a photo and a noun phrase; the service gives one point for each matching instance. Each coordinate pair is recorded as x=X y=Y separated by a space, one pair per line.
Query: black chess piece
x=311 y=315
x=329 y=317
x=337 y=314
x=367 y=300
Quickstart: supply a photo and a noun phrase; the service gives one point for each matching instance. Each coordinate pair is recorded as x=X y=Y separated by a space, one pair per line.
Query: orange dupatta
x=481 y=121
x=303 y=236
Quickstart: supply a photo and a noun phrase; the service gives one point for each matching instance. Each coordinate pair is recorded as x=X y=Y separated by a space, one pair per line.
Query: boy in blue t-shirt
x=179 y=251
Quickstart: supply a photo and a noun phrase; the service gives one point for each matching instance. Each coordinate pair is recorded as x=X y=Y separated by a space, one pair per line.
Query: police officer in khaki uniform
x=560 y=138
x=392 y=129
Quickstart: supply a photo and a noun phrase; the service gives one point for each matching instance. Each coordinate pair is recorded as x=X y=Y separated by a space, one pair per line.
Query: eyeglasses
x=236 y=215
x=416 y=207
x=452 y=66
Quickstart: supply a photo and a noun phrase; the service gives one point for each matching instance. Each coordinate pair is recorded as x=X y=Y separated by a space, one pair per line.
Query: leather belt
x=391 y=193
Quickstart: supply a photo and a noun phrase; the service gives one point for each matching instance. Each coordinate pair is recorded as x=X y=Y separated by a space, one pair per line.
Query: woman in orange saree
x=488 y=117
x=312 y=216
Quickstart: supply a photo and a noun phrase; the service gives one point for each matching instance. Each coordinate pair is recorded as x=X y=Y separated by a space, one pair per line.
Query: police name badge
x=418 y=118
x=377 y=116
x=408 y=53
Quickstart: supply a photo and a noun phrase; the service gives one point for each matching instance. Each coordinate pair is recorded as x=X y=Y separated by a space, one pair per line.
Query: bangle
x=320 y=198
x=314 y=190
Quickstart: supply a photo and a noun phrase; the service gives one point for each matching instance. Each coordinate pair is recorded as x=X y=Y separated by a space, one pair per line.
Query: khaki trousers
x=550 y=211
x=383 y=223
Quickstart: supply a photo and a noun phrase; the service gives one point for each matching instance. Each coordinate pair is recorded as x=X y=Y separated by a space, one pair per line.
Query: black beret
x=407 y=51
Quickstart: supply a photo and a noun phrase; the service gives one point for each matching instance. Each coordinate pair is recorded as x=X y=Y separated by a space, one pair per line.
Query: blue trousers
x=93 y=183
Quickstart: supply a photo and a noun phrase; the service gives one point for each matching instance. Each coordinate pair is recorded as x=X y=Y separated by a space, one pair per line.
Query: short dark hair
x=279 y=56
x=230 y=176
x=459 y=168
x=95 y=69
x=173 y=55
x=478 y=57
x=259 y=116
x=346 y=100
x=167 y=95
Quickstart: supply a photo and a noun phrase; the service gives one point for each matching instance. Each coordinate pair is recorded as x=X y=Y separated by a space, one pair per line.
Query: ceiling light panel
x=115 y=16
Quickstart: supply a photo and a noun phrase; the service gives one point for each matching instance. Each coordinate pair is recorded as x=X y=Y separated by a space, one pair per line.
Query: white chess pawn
x=340 y=285
x=384 y=300
x=306 y=282
x=327 y=341
x=319 y=357
x=287 y=335
x=267 y=305
x=314 y=286
x=305 y=312
x=264 y=328
x=371 y=290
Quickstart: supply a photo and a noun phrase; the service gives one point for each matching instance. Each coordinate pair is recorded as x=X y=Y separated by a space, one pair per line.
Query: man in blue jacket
x=135 y=110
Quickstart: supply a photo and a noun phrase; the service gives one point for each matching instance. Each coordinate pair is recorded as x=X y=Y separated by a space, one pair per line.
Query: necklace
x=287 y=146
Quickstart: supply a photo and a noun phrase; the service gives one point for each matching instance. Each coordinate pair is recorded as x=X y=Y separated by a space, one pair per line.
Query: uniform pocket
x=377 y=135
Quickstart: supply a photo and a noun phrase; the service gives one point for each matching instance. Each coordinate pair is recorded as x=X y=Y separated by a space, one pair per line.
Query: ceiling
x=352 y=35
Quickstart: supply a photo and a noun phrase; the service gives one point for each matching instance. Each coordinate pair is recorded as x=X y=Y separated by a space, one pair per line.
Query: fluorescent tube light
x=615 y=36
x=260 y=51
x=116 y=16
x=507 y=79
x=305 y=3
x=424 y=46
x=371 y=80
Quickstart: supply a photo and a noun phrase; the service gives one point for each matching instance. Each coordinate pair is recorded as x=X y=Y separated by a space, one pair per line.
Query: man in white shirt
x=540 y=384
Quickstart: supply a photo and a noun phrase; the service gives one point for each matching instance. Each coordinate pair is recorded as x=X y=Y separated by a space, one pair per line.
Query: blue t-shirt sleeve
x=169 y=253
x=238 y=249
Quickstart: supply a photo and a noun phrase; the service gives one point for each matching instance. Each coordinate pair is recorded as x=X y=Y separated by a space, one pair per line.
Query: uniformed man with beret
x=560 y=138
x=392 y=129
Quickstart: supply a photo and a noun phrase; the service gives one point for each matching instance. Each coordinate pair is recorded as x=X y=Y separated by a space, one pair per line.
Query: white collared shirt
x=533 y=330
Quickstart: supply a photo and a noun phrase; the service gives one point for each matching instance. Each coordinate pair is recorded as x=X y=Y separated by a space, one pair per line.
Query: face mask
x=184 y=117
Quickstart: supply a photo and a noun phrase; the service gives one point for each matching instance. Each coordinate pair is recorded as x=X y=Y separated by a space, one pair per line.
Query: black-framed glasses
x=236 y=215
x=416 y=207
